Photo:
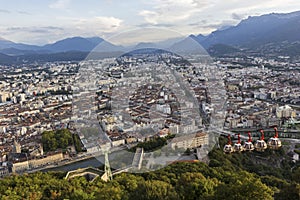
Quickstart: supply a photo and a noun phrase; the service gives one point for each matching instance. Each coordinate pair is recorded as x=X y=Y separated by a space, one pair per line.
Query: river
x=117 y=159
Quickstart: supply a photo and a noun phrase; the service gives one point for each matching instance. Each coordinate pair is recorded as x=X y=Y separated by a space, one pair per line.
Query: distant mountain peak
x=201 y=35
x=258 y=30
x=199 y=38
x=74 y=44
x=96 y=40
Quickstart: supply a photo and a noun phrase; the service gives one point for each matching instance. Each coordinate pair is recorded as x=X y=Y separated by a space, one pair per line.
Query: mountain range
x=68 y=44
x=251 y=33
x=256 y=31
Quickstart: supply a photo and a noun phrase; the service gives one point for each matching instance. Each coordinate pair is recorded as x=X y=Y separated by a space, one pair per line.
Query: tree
x=110 y=191
x=224 y=179
x=243 y=185
x=49 y=141
x=296 y=175
x=154 y=189
x=290 y=191
x=188 y=151
x=195 y=186
x=59 y=139
x=77 y=143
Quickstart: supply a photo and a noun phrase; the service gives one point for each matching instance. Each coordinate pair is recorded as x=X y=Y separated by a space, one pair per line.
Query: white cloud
x=257 y=7
x=99 y=24
x=150 y=16
x=86 y=27
x=149 y=34
x=204 y=16
x=81 y=19
x=60 y=4
x=171 y=11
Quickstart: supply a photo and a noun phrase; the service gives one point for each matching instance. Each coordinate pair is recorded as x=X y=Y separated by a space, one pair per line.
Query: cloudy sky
x=45 y=21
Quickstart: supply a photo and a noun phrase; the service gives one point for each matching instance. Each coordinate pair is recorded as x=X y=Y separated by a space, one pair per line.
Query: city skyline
x=42 y=22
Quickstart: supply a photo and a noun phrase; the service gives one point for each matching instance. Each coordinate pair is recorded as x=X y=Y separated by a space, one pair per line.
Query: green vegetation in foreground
x=177 y=181
x=224 y=178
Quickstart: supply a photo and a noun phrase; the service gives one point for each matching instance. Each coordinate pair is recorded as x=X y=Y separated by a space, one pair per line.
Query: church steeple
x=16 y=147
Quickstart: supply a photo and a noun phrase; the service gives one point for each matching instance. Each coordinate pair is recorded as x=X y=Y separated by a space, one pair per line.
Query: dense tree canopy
x=152 y=144
x=177 y=181
x=224 y=178
x=60 y=139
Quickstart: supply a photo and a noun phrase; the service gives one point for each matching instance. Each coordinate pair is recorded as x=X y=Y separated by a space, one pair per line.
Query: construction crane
x=228 y=147
x=248 y=146
x=238 y=146
x=261 y=145
x=274 y=142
